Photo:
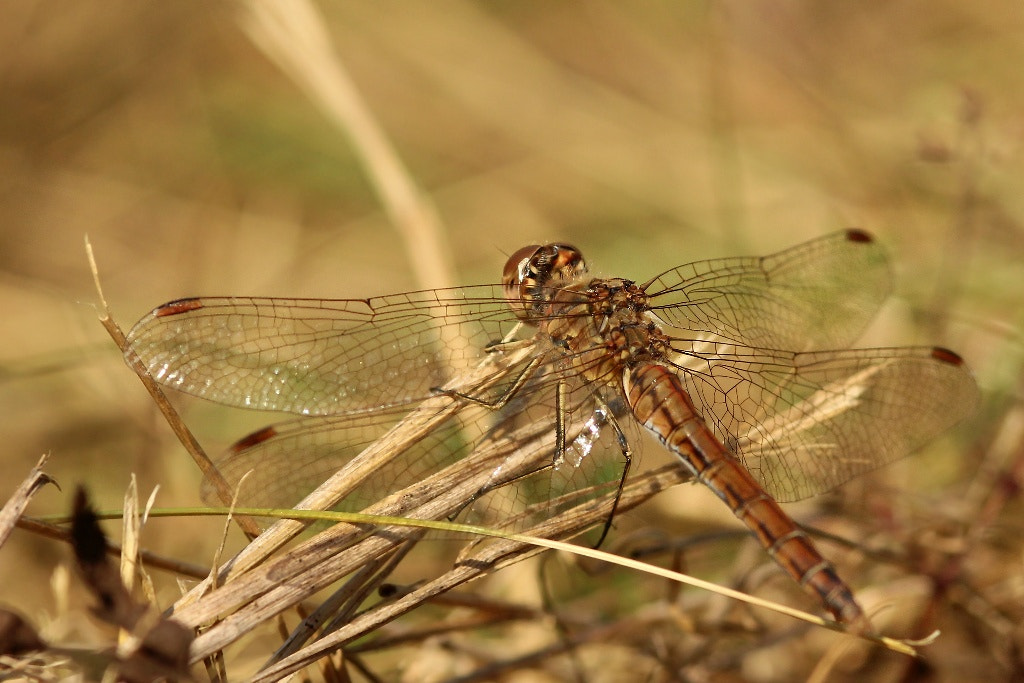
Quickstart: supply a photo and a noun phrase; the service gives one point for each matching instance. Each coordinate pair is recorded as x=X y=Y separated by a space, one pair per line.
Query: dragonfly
x=742 y=367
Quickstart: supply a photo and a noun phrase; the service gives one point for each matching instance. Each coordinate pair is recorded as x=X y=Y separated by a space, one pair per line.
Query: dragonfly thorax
x=603 y=328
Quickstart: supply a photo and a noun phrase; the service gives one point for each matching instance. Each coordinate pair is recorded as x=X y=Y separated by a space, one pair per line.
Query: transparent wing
x=804 y=423
x=820 y=294
x=319 y=357
x=323 y=357
x=283 y=462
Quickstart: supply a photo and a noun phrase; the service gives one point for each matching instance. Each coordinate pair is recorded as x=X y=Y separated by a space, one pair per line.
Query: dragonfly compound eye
x=534 y=273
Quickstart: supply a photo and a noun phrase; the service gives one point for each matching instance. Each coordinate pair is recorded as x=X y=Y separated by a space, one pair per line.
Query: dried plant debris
x=17 y=636
x=157 y=647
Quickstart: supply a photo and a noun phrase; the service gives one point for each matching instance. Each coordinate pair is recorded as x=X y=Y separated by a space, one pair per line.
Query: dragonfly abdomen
x=661 y=404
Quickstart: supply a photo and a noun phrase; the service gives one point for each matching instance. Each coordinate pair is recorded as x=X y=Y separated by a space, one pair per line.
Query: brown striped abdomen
x=661 y=404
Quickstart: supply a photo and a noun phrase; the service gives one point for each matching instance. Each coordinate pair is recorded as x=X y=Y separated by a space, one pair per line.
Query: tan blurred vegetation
x=649 y=134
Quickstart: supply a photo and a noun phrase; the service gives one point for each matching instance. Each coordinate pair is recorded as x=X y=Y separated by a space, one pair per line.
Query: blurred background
x=648 y=134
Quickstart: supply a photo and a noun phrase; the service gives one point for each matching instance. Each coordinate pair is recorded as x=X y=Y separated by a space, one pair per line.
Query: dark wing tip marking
x=858 y=235
x=177 y=307
x=946 y=356
x=254 y=439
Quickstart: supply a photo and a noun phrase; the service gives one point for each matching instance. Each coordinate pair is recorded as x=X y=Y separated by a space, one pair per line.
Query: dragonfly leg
x=506 y=395
x=487 y=488
x=559 y=423
x=627 y=461
x=509 y=341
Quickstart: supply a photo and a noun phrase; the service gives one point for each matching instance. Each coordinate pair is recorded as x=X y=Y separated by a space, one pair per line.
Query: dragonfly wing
x=279 y=465
x=821 y=294
x=804 y=423
x=319 y=357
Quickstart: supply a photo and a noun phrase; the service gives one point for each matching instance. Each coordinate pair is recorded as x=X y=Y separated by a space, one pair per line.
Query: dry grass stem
x=293 y=35
x=16 y=504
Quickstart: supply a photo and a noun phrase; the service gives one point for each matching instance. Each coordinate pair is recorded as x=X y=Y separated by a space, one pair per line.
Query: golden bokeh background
x=649 y=134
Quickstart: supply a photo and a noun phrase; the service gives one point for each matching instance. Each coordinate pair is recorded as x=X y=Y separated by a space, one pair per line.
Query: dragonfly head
x=534 y=273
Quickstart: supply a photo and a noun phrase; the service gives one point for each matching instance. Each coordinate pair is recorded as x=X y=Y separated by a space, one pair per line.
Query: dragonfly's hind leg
x=627 y=462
